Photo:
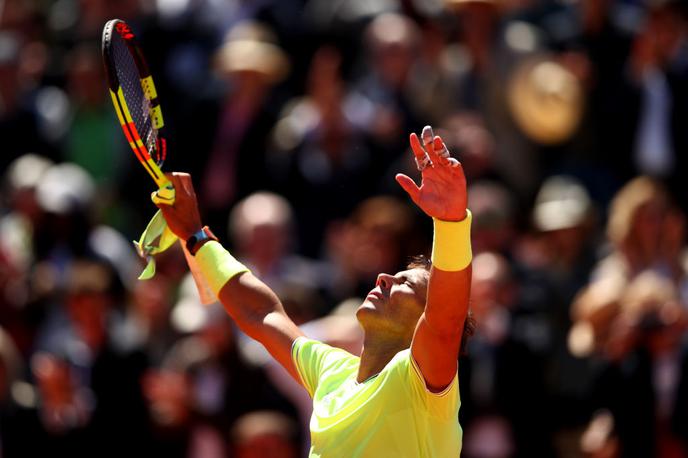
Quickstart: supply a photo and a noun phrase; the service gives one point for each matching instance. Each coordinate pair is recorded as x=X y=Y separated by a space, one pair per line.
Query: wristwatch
x=196 y=241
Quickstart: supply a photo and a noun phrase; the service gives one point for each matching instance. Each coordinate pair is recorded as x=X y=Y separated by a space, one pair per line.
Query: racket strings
x=138 y=104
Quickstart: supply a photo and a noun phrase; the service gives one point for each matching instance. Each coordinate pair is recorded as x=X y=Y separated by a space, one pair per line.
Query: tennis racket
x=136 y=102
x=138 y=109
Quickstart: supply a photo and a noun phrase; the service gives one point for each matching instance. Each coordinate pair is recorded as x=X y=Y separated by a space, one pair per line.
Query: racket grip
x=165 y=195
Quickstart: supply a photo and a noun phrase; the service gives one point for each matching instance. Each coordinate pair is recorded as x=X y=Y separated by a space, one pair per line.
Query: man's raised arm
x=442 y=196
x=252 y=305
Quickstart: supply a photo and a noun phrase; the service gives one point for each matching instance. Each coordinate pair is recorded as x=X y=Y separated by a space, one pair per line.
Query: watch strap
x=196 y=241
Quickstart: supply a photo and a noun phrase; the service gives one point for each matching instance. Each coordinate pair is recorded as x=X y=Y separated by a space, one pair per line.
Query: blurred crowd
x=569 y=117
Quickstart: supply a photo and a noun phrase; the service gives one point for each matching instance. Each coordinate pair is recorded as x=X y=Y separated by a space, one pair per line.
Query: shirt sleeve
x=442 y=405
x=314 y=359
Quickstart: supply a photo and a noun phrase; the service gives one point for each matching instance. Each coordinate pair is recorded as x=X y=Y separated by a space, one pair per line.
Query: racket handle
x=165 y=195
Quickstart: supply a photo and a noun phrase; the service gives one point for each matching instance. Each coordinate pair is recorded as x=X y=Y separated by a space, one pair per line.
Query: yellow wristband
x=217 y=265
x=451 y=245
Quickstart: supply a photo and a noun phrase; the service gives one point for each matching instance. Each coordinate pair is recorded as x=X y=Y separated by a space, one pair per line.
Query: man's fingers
x=440 y=147
x=440 y=154
x=408 y=185
x=416 y=147
x=421 y=157
x=434 y=148
x=427 y=135
x=183 y=181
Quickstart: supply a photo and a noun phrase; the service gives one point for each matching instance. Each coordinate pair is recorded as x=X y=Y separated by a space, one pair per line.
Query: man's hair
x=423 y=262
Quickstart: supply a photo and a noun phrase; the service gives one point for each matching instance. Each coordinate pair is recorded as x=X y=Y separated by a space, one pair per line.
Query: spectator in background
x=509 y=408
x=596 y=38
x=392 y=43
x=635 y=231
x=64 y=408
x=673 y=250
x=486 y=370
x=379 y=235
x=250 y=63
x=12 y=432
x=495 y=225
x=145 y=323
x=204 y=383
x=644 y=383
x=263 y=230
x=99 y=363
x=485 y=60
x=19 y=122
x=660 y=68
x=318 y=148
x=66 y=196
x=264 y=434
x=558 y=265
x=467 y=133
x=22 y=217
x=93 y=140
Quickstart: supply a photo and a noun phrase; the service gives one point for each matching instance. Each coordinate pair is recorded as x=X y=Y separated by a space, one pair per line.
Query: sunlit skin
x=396 y=302
x=389 y=315
x=423 y=310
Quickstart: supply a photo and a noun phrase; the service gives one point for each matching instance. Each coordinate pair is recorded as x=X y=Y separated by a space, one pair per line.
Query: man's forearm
x=450 y=277
x=254 y=307
x=249 y=301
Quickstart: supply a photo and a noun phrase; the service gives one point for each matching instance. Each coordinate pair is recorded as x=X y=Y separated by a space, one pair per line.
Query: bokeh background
x=570 y=118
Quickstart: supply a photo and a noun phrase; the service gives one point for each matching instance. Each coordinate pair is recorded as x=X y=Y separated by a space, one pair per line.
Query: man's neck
x=376 y=354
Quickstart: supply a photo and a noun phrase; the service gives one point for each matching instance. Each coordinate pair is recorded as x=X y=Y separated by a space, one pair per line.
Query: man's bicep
x=436 y=355
x=258 y=313
x=280 y=333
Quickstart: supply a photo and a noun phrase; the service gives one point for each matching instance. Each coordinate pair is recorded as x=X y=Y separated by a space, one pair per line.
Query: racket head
x=134 y=97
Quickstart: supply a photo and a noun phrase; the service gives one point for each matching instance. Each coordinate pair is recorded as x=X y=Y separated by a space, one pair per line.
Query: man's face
x=396 y=303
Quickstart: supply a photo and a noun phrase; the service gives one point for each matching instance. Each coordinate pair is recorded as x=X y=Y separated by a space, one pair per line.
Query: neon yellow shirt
x=392 y=414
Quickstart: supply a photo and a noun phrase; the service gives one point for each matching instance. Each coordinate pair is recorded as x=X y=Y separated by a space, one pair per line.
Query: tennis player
x=401 y=396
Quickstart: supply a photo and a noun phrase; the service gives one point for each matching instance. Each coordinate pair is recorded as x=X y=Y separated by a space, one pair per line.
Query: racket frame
x=119 y=27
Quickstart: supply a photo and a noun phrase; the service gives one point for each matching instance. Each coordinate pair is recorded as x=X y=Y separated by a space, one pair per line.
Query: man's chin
x=365 y=309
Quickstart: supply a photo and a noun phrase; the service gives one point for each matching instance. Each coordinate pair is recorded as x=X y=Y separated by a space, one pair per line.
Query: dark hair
x=424 y=262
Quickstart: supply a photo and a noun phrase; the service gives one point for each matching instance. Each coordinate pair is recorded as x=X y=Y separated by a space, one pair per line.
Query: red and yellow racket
x=136 y=102
x=138 y=110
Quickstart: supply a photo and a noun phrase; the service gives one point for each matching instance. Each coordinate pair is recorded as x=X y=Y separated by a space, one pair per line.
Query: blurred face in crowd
x=266 y=242
x=53 y=378
x=151 y=301
x=396 y=303
x=490 y=284
x=394 y=62
x=646 y=230
x=565 y=245
x=167 y=393
x=85 y=78
x=218 y=335
x=266 y=446
x=88 y=311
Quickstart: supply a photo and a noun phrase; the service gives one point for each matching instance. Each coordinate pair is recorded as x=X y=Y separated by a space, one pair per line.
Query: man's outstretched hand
x=183 y=217
x=442 y=193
